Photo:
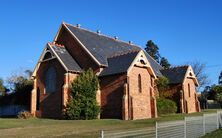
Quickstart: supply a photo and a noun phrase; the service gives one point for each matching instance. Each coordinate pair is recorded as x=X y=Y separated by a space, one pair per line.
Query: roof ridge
x=121 y=54
x=122 y=41
x=56 y=44
x=179 y=66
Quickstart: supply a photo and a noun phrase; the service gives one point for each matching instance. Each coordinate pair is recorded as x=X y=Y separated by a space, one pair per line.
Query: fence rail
x=142 y=133
x=190 y=127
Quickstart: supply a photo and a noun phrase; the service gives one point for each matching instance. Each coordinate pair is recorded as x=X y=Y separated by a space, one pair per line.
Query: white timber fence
x=190 y=127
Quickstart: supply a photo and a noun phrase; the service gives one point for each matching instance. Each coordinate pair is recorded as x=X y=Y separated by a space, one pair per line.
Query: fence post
x=204 y=131
x=217 y=119
x=185 y=127
x=156 y=130
x=102 y=134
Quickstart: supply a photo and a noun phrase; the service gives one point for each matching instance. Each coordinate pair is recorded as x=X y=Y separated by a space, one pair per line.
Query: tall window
x=151 y=81
x=50 y=80
x=139 y=83
x=189 y=89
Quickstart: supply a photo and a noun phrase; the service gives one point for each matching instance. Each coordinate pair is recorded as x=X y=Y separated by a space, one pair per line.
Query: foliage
x=214 y=134
x=83 y=104
x=2 y=88
x=153 y=50
x=217 y=90
x=24 y=115
x=166 y=106
x=213 y=92
x=200 y=72
x=23 y=92
x=162 y=86
x=20 y=91
x=17 y=78
x=220 y=79
x=164 y=63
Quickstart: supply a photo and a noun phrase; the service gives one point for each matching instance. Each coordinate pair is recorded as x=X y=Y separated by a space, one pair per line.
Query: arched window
x=139 y=83
x=48 y=55
x=50 y=80
x=189 y=89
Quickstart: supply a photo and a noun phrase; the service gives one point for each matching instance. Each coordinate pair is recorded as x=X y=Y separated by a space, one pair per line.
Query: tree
x=83 y=104
x=164 y=63
x=20 y=90
x=153 y=50
x=162 y=86
x=18 y=78
x=217 y=90
x=2 y=88
x=166 y=106
x=220 y=79
x=199 y=70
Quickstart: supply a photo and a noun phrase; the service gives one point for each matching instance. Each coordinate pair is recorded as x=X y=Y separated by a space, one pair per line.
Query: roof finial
x=115 y=37
x=130 y=42
x=78 y=25
x=98 y=32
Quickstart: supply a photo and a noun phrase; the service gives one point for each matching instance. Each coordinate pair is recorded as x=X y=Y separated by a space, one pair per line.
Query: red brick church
x=127 y=75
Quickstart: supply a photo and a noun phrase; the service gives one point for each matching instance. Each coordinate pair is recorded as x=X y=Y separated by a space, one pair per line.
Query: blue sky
x=184 y=30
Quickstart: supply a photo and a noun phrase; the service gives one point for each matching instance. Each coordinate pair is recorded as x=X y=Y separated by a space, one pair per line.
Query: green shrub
x=24 y=115
x=166 y=106
x=162 y=84
x=83 y=104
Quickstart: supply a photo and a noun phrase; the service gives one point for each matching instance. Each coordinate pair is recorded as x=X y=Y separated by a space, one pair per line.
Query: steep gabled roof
x=156 y=67
x=175 y=75
x=119 y=63
x=102 y=47
x=61 y=54
x=66 y=59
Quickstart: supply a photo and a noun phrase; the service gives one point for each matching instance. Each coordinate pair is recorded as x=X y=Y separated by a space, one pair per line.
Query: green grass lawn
x=68 y=128
x=215 y=134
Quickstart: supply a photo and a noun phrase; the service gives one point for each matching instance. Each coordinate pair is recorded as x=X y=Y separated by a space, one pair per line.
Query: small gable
x=175 y=75
x=65 y=58
x=54 y=51
x=142 y=61
x=191 y=75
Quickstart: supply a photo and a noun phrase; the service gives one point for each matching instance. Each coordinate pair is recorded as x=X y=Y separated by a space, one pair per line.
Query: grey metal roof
x=119 y=64
x=102 y=47
x=66 y=58
x=175 y=75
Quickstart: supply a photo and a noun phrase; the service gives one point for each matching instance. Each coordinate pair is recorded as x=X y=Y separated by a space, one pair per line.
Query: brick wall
x=191 y=99
x=112 y=88
x=50 y=104
x=140 y=101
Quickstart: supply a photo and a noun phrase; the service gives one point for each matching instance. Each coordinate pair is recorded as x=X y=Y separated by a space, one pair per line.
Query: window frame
x=189 y=90
x=50 y=80
x=140 y=83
